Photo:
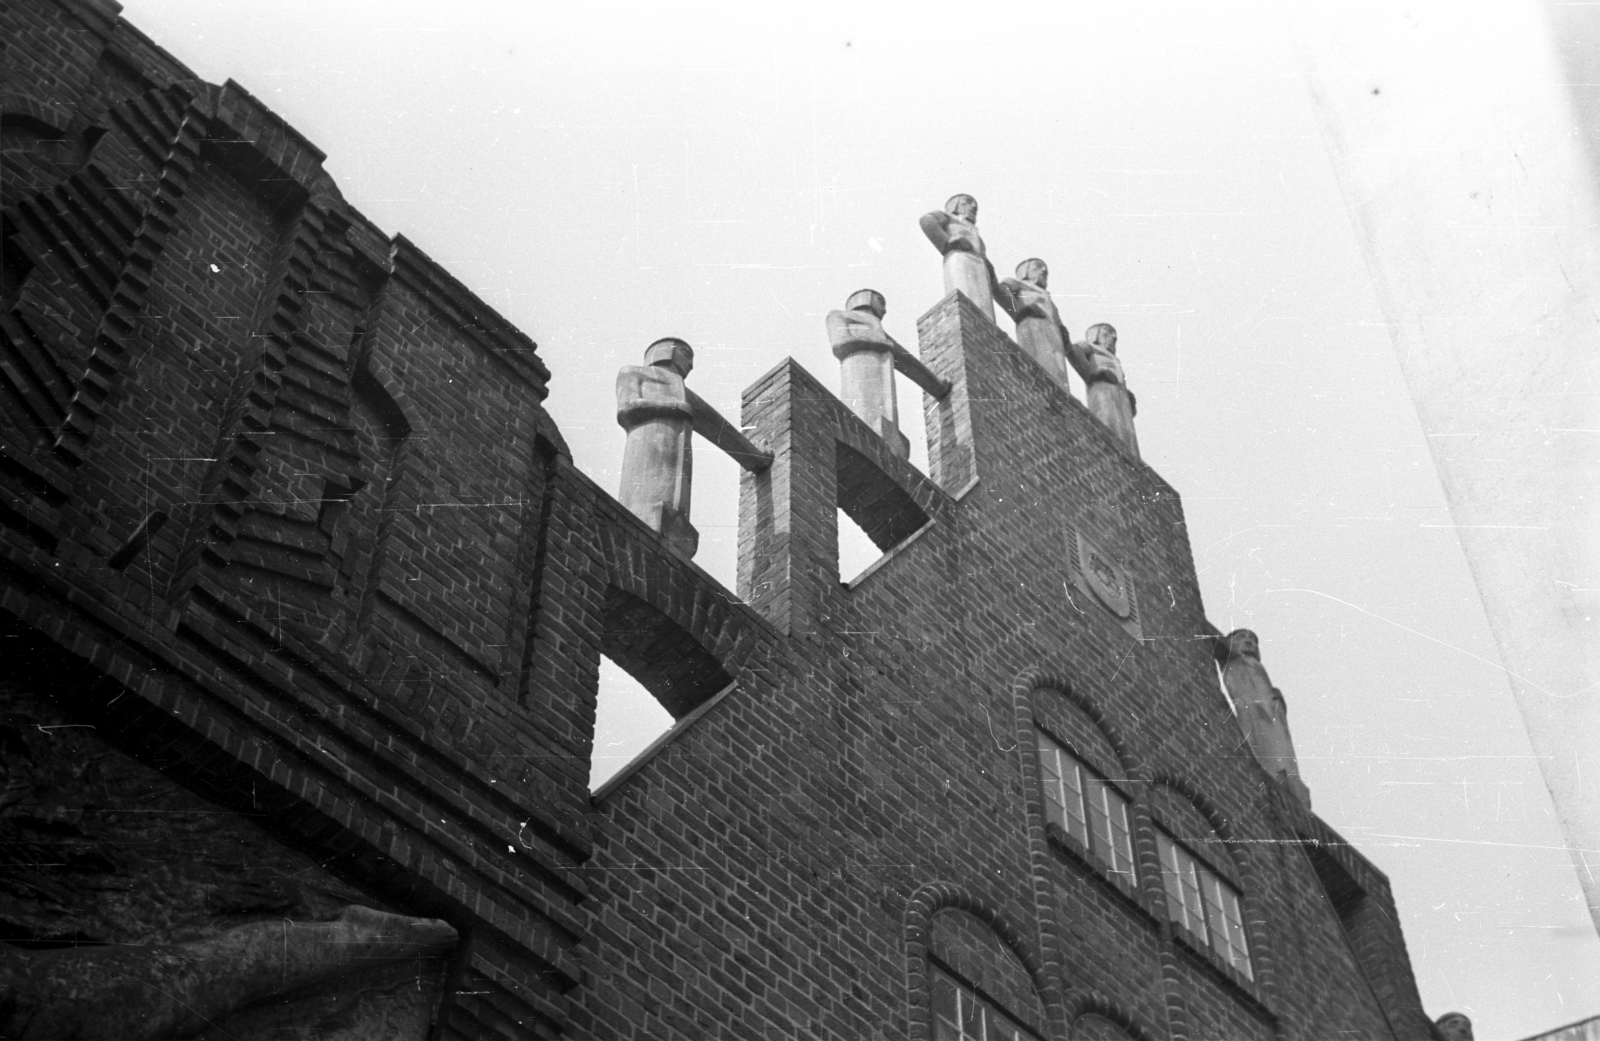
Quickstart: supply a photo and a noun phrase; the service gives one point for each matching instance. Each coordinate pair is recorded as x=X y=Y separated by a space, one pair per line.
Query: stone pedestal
x=1041 y=338
x=1109 y=399
x=1112 y=405
x=866 y=379
x=969 y=273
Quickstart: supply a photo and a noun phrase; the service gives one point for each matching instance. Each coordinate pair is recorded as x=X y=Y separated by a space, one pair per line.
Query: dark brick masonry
x=285 y=522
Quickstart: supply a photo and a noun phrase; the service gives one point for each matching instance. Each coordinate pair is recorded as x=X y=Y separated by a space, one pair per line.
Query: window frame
x=944 y=979
x=1219 y=934
x=1100 y=846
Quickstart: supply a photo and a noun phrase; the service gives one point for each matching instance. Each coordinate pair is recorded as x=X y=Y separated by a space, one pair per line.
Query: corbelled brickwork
x=284 y=519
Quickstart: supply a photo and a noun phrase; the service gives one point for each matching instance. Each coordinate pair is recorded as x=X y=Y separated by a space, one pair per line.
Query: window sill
x=1241 y=986
x=1074 y=851
x=888 y=555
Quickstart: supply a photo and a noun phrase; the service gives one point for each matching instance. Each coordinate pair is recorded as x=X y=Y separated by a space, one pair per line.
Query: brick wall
x=283 y=494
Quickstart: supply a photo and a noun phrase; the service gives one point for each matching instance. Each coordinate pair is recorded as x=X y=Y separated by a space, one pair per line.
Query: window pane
x=1121 y=839
x=1238 y=946
x=1193 y=905
x=1050 y=777
x=1170 y=873
x=971 y=1017
x=1108 y=824
x=1211 y=892
x=946 y=1016
x=1072 y=788
x=1063 y=788
x=1094 y=791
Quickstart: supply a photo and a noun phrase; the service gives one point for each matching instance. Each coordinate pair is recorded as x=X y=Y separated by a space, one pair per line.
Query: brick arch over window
x=928 y=900
x=1042 y=682
x=1184 y=810
x=660 y=653
x=1174 y=789
x=1080 y=721
x=663 y=608
x=1038 y=682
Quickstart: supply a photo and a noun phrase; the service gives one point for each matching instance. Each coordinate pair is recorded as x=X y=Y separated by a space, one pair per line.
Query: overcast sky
x=606 y=175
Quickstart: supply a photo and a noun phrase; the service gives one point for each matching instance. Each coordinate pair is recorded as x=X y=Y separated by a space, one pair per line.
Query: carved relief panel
x=1100 y=582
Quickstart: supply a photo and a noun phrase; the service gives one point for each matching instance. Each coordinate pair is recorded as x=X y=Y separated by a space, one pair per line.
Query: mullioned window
x=1087 y=807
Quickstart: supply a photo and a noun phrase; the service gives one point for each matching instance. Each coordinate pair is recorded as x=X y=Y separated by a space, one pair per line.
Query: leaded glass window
x=1086 y=806
x=1204 y=905
x=960 y=1013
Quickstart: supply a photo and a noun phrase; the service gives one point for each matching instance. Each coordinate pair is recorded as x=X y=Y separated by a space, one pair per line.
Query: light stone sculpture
x=1040 y=330
x=954 y=232
x=1263 y=714
x=1110 y=401
x=661 y=414
x=866 y=366
x=868 y=357
x=658 y=461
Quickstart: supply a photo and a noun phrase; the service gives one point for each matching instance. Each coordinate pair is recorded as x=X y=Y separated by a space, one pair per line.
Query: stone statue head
x=963 y=206
x=867 y=300
x=1035 y=271
x=1242 y=643
x=1103 y=336
x=672 y=353
x=1455 y=1026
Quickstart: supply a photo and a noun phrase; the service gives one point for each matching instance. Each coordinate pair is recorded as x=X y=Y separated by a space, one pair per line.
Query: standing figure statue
x=866 y=366
x=653 y=406
x=1110 y=401
x=661 y=415
x=1040 y=331
x=954 y=233
x=1263 y=714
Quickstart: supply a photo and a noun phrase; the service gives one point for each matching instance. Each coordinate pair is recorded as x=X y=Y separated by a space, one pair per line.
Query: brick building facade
x=291 y=551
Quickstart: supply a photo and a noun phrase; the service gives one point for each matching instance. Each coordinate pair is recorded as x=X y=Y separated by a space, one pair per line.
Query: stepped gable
x=305 y=604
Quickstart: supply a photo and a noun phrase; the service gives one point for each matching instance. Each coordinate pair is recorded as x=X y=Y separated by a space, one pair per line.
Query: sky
x=606 y=174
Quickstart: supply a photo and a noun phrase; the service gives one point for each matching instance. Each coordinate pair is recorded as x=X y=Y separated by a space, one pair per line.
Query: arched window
x=1201 y=882
x=980 y=991
x=1087 y=808
x=970 y=975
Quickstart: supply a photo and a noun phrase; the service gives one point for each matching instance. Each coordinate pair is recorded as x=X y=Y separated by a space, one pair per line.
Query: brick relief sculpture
x=1103 y=581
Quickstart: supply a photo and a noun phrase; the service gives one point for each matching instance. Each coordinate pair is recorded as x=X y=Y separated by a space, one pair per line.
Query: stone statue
x=866 y=366
x=661 y=415
x=1040 y=330
x=954 y=232
x=1455 y=1026
x=1263 y=714
x=1110 y=401
x=658 y=461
